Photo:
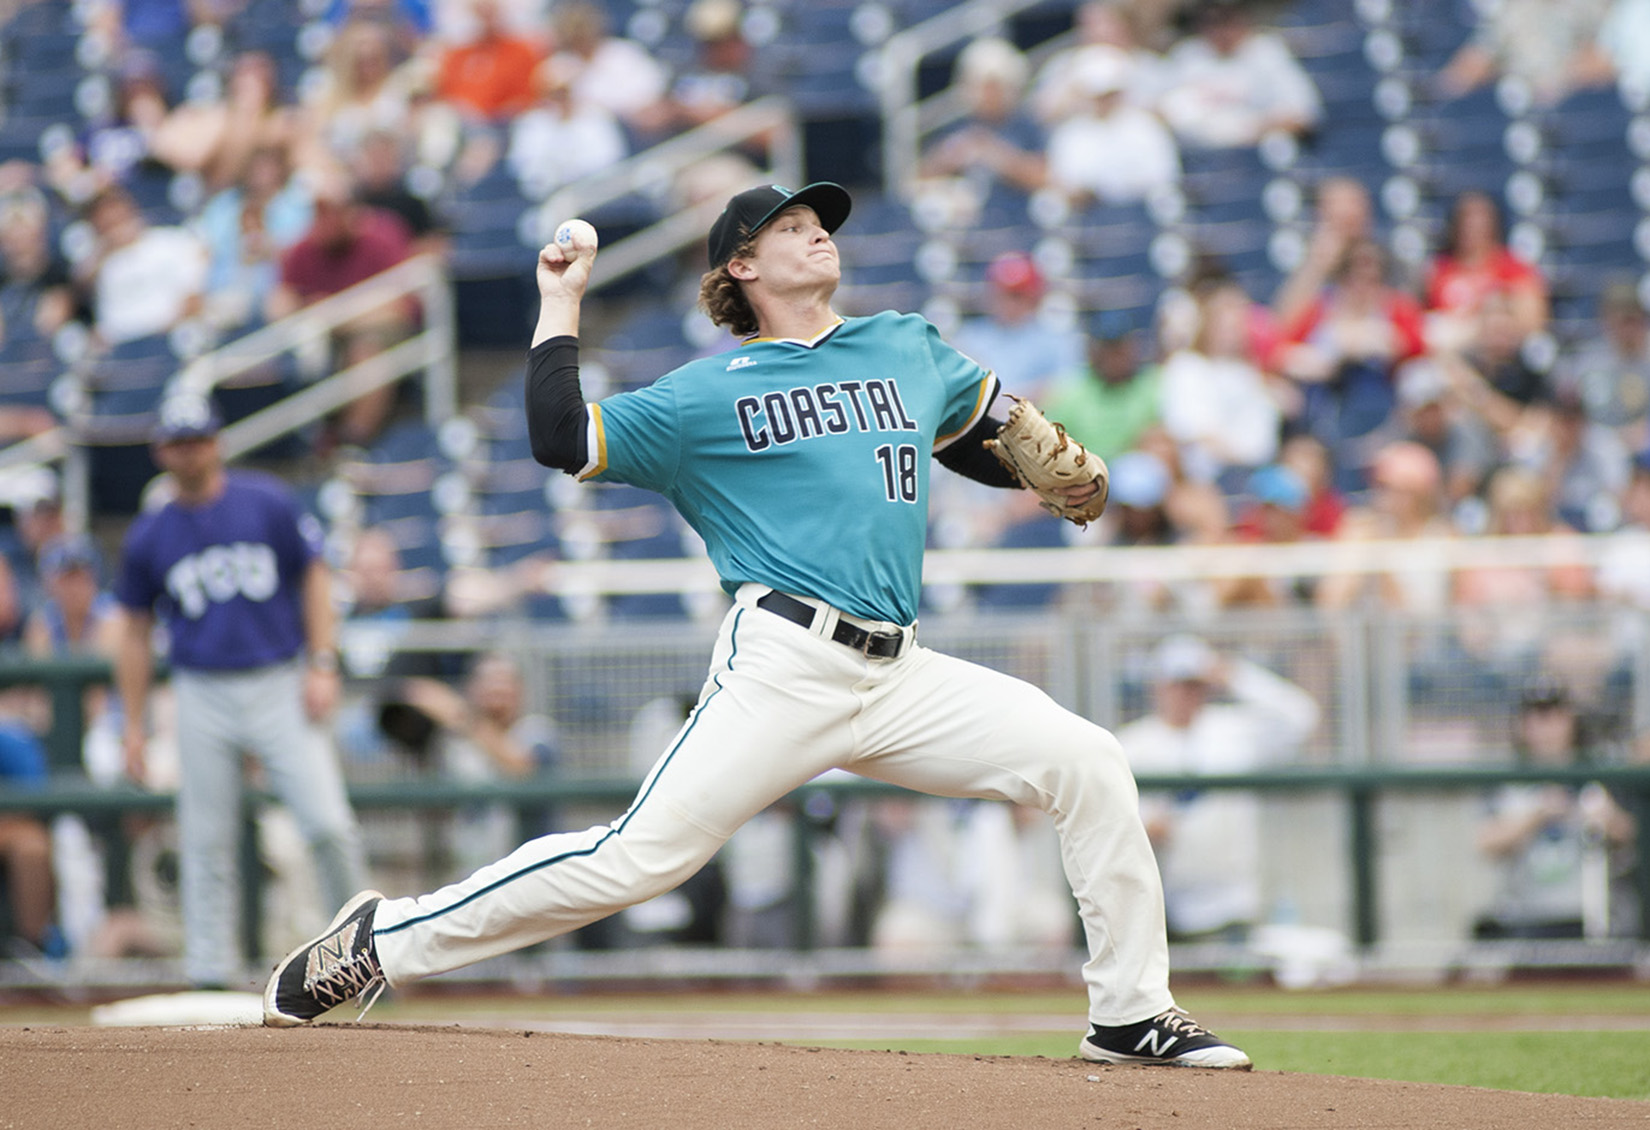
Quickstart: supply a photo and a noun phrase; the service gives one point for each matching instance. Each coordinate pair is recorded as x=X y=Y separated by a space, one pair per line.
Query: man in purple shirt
x=233 y=570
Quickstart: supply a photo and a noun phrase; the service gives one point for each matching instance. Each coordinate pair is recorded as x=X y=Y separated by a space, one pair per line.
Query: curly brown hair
x=723 y=298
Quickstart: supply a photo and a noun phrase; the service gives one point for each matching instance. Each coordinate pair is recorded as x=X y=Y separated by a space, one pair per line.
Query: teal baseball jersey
x=803 y=464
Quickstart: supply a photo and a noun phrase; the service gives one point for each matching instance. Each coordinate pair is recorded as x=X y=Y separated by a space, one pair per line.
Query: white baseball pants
x=781 y=705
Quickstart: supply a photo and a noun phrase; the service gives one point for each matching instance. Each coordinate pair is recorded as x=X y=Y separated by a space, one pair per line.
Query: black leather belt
x=877 y=645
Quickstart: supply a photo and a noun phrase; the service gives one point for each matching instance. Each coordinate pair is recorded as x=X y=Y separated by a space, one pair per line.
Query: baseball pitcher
x=802 y=457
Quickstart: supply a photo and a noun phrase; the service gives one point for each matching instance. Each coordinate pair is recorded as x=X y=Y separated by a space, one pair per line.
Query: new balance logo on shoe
x=1153 y=1039
x=1170 y=1038
x=326 y=957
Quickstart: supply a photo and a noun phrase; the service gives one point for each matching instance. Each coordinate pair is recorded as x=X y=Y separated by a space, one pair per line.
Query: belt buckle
x=883 y=645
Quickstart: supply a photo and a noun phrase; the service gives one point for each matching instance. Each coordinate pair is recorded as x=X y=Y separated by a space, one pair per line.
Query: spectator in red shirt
x=1359 y=314
x=1344 y=348
x=1474 y=263
x=489 y=78
x=348 y=243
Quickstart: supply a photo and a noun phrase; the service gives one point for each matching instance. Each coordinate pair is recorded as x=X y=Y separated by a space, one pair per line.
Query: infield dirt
x=460 y=1078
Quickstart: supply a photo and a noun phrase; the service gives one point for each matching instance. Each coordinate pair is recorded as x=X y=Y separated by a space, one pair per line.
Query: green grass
x=1602 y=1064
x=1480 y=1036
x=1607 y=1064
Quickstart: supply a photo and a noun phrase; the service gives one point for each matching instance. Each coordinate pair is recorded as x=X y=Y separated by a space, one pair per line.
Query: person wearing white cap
x=562 y=137
x=998 y=147
x=1055 y=92
x=1231 y=82
x=1208 y=842
x=1109 y=149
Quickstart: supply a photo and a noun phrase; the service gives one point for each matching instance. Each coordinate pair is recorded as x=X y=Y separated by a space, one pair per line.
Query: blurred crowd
x=1107 y=117
x=219 y=176
x=1347 y=382
x=1351 y=405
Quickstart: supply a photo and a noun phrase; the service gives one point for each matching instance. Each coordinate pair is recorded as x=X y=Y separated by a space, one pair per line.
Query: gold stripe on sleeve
x=982 y=401
x=598 y=445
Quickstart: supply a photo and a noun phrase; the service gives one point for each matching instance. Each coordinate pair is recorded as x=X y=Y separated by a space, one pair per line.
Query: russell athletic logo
x=740 y=363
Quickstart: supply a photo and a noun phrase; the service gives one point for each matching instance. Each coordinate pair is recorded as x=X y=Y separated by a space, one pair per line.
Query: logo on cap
x=186 y=415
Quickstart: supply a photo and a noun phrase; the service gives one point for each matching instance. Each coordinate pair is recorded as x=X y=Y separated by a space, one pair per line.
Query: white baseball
x=576 y=237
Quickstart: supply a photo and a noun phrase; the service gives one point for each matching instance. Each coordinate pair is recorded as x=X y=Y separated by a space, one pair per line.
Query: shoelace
x=1176 y=1021
x=377 y=985
x=354 y=976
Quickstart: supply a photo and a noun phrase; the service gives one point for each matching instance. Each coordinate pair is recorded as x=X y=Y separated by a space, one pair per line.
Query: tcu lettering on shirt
x=806 y=412
x=220 y=573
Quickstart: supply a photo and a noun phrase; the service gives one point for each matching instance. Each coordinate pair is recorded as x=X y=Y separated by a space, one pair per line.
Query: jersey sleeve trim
x=597 y=445
x=982 y=401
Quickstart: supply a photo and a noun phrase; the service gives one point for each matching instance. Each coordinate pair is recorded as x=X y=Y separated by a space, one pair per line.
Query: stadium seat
x=485 y=218
x=28 y=368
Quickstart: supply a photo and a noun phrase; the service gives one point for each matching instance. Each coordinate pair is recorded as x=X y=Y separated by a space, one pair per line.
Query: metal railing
x=432 y=352
x=906 y=119
x=1085 y=564
x=429 y=354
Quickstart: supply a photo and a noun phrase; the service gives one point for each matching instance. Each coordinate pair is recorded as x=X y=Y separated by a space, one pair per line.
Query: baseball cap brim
x=181 y=435
x=752 y=210
x=830 y=202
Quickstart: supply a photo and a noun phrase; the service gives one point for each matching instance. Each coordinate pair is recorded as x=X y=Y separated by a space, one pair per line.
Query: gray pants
x=221 y=716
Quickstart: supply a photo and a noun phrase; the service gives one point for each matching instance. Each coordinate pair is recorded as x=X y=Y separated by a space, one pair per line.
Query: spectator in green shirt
x=1113 y=399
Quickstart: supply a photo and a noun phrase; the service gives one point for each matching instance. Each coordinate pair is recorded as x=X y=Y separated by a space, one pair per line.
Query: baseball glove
x=1044 y=459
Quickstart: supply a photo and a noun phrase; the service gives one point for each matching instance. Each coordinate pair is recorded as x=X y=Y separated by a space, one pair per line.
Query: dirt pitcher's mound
x=458 y=1078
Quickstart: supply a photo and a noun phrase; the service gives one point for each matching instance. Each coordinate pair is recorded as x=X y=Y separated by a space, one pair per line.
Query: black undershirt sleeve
x=969 y=458
x=556 y=416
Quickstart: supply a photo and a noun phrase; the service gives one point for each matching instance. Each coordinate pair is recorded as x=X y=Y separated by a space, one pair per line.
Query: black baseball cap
x=747 y=213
